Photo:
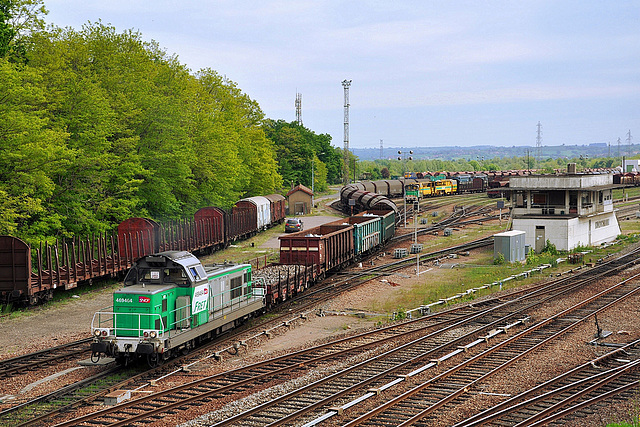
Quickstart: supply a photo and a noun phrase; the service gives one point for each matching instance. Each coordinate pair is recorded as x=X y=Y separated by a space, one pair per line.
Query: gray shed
x=510 y=244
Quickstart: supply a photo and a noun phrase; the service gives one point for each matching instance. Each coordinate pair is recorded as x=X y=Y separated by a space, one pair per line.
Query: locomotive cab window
x=197 y=272
x=177 y=276
x=131 y=278
x=144 y=275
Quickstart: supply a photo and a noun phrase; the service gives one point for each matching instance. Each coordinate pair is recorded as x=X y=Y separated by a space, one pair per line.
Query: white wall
x=567 y=234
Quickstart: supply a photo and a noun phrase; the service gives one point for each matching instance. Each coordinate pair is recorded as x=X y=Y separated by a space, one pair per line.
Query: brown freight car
x=329 y=247
x=243 y=222
x=278 y=208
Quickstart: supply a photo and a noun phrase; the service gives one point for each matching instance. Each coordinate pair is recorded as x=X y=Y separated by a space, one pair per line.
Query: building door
x=540 y=240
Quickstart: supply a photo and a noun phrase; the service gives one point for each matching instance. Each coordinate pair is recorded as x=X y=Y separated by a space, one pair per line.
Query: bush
x=401 y=314
x=550 y=248
x=532 y=258
x=499 y=260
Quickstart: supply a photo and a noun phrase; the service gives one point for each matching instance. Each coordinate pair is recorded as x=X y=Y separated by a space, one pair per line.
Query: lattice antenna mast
x=629 y=141
x=381 y=150
x=345 y=168
x=539 y=145
x=299 y=108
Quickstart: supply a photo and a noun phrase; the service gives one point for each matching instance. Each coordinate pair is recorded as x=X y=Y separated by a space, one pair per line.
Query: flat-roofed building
x=567 y=210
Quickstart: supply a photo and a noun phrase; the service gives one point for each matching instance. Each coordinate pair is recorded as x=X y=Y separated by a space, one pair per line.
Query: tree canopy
x=99 y=126
x=302 y=153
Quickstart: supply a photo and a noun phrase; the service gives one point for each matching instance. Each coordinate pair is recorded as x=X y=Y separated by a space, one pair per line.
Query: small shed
x=299 y=198
x=510 y=244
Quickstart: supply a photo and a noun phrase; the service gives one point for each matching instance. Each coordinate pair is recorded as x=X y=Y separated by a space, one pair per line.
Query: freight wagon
x=170 y=301
x=332 y=246
x=66 y=264
x=327 y=247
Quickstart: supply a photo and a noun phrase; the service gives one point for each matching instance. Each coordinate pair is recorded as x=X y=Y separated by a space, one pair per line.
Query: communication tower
x=345 y=167
x=539 y=145
x=381 y=151
x=299 y=108
x=629 y=141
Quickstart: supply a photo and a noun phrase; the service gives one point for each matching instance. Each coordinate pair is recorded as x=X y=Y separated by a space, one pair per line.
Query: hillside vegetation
x=99 y=126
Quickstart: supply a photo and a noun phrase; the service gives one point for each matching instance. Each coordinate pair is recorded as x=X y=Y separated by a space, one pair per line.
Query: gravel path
x=47 y=326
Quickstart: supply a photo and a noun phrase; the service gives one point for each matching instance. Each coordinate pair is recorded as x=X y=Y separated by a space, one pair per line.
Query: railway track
x=369 y=368
x=46 y=357
x=584 y=387
x=379 y=375
x=423 y=403
x=332 y=289
x=299 y=307
x=33 y=409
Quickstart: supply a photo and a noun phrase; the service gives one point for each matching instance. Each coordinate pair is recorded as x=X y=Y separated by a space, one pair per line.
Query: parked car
x=293 y=224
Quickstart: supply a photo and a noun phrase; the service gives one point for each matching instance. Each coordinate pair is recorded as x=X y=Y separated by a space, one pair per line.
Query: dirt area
x=43 y=327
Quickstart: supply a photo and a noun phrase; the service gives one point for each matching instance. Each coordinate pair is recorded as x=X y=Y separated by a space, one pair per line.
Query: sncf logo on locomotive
x=144 y=299
x=201 y=293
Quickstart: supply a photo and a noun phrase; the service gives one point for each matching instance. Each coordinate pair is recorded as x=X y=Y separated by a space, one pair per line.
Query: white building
x=632 y=165
x=568 y=210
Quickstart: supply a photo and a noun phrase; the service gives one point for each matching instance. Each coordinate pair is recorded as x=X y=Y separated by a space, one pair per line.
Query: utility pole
x=619 y=149
x=345 y=167
x=539 y=146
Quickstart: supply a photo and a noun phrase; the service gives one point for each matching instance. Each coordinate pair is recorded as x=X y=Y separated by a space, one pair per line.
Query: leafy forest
x=99 y=125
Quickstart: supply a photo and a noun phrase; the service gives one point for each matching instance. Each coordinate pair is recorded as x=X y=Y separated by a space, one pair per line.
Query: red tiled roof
x=300 y=187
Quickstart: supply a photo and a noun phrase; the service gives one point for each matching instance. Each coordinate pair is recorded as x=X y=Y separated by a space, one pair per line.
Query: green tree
x=18 y=20
x=7 y=32
x=246 y=164
x=98 y=188
x=30 y=153
x=296 y=146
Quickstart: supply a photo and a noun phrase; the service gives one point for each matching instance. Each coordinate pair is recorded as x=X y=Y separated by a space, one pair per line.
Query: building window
x=539 y=198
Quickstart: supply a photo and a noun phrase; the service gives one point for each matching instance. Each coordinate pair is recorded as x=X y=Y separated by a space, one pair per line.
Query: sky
x=423 y=73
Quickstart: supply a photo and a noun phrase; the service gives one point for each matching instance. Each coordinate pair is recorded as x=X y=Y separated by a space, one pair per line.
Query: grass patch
x=619 y=193
x=441 y=283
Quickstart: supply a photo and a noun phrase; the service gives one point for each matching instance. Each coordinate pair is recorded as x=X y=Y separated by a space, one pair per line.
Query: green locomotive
x=169 y=303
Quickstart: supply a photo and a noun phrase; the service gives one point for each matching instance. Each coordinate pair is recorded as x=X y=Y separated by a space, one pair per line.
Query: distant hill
x=600 y=149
